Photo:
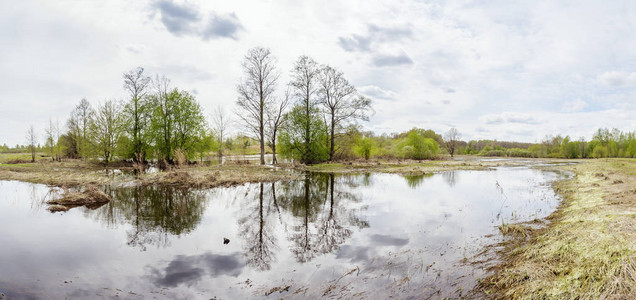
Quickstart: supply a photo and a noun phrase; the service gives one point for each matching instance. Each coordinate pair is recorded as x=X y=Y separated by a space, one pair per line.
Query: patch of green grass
x=23 y=157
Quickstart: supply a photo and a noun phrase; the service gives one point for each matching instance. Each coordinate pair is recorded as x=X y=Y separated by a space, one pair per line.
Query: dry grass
x=588 y=249
x=219 y=175
x=90 y=197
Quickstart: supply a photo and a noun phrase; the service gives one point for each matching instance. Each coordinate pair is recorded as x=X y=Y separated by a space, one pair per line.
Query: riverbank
x=78 y=173
x=70 y=173
x=588 y=249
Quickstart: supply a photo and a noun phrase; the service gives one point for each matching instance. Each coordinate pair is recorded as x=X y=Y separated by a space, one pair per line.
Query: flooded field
x=363 y=236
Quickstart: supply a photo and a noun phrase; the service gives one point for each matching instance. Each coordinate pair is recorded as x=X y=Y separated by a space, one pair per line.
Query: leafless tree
x=79 y=125
x=50 y=139
x=256 y=92
x=220 y=121
x=340 y=101
x=107 y=129
x=137 y=85
x=31 y=141
x=304 y=76
x=451 y=138
x=275 y=120
x=58 y=133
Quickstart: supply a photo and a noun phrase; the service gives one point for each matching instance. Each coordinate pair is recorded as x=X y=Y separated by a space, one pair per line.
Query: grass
x=21 y=158
x=588 y=251
x=71 y=172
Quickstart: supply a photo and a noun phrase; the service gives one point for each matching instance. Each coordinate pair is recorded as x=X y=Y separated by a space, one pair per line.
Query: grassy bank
x=71 y=172
x=588 y=250
x=80 y=173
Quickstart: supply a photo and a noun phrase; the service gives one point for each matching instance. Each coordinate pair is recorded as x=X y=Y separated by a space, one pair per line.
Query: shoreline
x=77 y=173
x=587 y=249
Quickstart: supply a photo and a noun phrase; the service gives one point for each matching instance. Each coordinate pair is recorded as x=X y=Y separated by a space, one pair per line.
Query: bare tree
x=107 y=129
x=79 y=125
x=58 y=132
x=50 y=138
x=340 y=101
x=451 y=138
x=256 y=92
x=137 y=85
x=275 y=120
x=220 y=121
x=31 y=141
x=304 y=75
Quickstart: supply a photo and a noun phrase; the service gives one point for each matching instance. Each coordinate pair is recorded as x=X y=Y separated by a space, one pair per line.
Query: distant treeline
x=313 y=120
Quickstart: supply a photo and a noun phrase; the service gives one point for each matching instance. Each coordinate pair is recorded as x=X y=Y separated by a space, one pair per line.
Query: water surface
x=369 y=236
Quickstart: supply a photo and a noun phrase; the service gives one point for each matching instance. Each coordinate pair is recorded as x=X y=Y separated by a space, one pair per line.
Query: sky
x=505 y=70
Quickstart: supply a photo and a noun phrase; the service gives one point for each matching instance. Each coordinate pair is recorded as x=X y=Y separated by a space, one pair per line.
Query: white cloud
x=574 y=105
x=495 y=70
x=377 y=92
x=510 y=117
x=618 y=79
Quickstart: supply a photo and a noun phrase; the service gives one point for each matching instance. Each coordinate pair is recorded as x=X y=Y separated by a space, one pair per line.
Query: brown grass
x=588 y=251
x=90 y=197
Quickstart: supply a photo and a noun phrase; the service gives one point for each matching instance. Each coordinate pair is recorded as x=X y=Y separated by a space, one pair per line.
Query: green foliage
x=417 y=146
x=365 y=147
x=205 y=143
x=177 y=123
x=136 y=114
x=346 y=143
x=292 y=142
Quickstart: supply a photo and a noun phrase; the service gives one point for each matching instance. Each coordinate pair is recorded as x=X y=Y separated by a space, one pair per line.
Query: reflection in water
x=155 y=212
x=450 y=177
x=405 y=237
x=256 y=228
x=190 y=269
x=413 y=181
x=322 y=220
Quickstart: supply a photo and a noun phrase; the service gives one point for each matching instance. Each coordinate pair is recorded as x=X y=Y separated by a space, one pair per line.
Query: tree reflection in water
x=319 y=211
x=256 y=227
x=155 y=212
x=322 y=220
x=413 y=181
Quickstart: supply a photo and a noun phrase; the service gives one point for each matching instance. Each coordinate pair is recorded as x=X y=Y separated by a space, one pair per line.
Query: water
x=368 y=236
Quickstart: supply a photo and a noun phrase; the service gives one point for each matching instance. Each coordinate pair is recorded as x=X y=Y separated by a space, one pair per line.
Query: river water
x=352 y=236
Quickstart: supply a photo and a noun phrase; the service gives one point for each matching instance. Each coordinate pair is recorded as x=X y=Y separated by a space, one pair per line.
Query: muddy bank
x=588 y=249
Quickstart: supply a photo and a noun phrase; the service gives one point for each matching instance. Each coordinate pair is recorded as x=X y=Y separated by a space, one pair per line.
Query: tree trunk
x=274 y=161
x=332 y=138
x=262 y=142
x=307 y=129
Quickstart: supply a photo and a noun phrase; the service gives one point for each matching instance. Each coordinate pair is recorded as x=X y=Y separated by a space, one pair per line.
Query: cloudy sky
x=506 y=70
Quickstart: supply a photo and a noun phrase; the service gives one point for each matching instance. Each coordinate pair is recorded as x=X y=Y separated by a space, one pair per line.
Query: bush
x=416 y=146
x=364 y=148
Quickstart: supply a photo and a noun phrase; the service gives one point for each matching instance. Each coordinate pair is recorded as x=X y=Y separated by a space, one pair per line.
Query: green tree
x=137 y=112
x=417 y=146
x=305 y=86
x=365 y=146
x=205 y=143
x=177 y=123
x=106 y=129
x=293 y=138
